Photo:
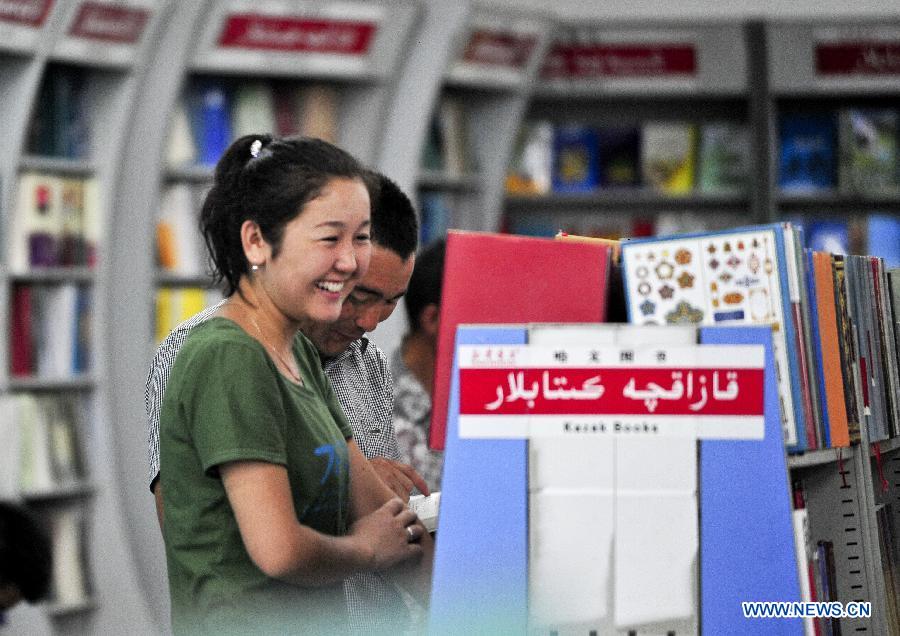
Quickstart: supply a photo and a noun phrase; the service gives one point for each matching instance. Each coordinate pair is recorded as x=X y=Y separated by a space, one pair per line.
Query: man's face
x=371 y=301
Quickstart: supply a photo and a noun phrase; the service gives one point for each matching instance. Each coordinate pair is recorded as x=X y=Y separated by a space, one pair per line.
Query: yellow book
x=614 y=244
x=164 y=302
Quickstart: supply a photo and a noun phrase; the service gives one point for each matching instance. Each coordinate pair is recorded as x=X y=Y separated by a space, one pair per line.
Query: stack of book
x=174 y=305
x=61 y=121
x=50 y=334
x=448 y=147
x=851 y=150
x=672 y=158
x=38 y=445
x=833 y=318
x=214 y=112
x=56 y=222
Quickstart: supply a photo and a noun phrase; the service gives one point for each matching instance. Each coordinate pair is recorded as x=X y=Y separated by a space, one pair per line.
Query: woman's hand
x=390 y=534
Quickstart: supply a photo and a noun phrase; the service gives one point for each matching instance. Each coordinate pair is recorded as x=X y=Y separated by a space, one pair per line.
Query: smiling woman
x=261 y=522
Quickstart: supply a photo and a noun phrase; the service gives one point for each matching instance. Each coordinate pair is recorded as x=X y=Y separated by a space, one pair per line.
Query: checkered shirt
x=362 y=382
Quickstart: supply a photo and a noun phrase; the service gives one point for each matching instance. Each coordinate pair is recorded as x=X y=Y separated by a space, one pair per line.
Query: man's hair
x=425 y=283
x=26 y=558
x=394 y=223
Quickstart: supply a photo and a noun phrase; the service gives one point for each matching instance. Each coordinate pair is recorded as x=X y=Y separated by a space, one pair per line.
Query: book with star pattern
x=745 y=276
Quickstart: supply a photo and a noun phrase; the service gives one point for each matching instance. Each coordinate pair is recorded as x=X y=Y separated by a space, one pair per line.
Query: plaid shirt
x=362 y=382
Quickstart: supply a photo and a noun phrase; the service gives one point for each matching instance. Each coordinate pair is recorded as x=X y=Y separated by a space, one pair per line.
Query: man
x=359 y=372
x=413 y=365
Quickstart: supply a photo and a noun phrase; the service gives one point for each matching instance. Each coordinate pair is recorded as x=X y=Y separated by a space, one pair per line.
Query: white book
x=10 y=446
x=179 y=244
x=56 y=350
x=254 y=109
x=426 y=508
x=68 y=559
x=36 y=469
x=180 y=150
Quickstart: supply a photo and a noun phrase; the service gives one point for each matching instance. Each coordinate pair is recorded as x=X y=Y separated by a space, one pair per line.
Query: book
x=805 y=565
x=669 y=156
x=829 y=347
x=436 y=215
x=38 y=222
x=620 y=156
x=427 y=509
x=21 y=340
x=69 y=577
x=10 y=447
x=59 y=328
x=868 y=150
x=531 y=165
x=180 y=148
x=807 y=158
x=883 y=238
x=285 y=113
x=576 y=166
x=253 y=109
x=732 y=277
x=724 y=161
x=453 y=120
x=317 y=108
x=72 y=250
x=179 y=244
x=209 y=108
x=496 y=278
x=828 y=235
x=35 y=463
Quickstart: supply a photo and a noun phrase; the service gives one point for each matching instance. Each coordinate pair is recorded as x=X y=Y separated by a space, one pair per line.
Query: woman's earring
x=254 y=268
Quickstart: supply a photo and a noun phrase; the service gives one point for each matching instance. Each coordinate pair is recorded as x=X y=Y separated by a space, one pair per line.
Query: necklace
x=294 y=376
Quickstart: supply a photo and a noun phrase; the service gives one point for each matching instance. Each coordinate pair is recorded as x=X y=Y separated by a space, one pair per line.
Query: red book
x=22 y=357
x=499 y=278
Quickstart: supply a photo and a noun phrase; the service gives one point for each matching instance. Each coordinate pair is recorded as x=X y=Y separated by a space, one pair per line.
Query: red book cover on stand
x=20 y=332
x=499 y=278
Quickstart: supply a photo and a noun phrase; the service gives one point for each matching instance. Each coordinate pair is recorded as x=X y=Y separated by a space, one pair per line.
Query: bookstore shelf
x=168 y=279
x=79 y=490
x=55 y=275
x=821 y=457
x=614 y=199
x=190 y=174
x=63 y=610
x=74 y=383
x=438 y=180
x=58 y=165
x=888 y=446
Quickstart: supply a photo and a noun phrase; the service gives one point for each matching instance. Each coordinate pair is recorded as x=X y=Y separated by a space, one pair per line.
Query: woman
x=261 y=521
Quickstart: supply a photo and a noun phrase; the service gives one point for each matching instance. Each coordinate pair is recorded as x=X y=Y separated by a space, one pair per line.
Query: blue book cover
x=807 y=161
x=208 y=105
x=620 y=157
x=732 y=277
x=883 y=239
x=480 y=582
x=828 y=235
x=576 y=160
x=746 y=533
x=436 y=215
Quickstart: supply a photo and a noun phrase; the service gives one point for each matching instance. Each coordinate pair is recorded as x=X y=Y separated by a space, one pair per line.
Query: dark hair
x=26 y=558
x=425 y=282
x=394 y=223
x=266 y=180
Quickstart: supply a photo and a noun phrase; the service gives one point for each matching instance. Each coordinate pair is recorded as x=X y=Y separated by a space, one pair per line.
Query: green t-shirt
x=226 y=401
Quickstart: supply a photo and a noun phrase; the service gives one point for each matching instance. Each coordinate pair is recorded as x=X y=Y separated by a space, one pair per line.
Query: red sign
x=612 y=391
x=109 y=23
x=29 y=12
x=576 y=61
x=499 y=48
x=858 y=58
x=253 y=31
